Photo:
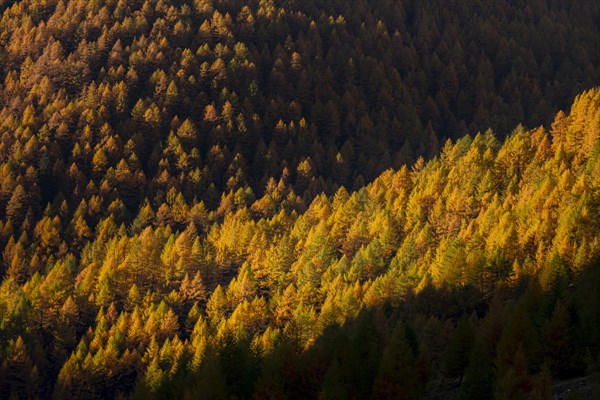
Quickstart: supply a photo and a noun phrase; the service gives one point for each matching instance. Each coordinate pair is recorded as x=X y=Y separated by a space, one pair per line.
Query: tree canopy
x=298 y=199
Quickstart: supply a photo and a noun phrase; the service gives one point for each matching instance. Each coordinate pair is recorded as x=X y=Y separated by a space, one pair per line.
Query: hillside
x=299 y=199
x=208 y=97
x=488 y=234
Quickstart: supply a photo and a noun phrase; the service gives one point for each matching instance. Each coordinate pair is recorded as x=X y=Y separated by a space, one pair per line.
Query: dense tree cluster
x=184 y=208
x=213 y=96
x=453 y=272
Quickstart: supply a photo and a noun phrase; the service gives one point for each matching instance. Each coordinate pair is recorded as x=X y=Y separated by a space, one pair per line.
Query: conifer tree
x=396 y=377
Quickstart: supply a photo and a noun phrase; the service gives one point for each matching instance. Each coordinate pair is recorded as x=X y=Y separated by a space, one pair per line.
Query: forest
x=299 y=199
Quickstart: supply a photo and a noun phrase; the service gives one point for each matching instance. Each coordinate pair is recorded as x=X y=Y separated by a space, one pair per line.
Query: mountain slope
x=249 y=300
x=208 y=97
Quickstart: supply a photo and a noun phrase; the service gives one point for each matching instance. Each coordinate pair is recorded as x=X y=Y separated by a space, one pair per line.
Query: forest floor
x=586 y=386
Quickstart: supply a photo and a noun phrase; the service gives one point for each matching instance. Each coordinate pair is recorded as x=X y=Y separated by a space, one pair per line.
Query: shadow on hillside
x=423 y=347
x=349 y=360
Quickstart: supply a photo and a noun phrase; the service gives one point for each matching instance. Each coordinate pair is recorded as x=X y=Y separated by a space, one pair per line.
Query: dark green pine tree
x=457 y=354
x=397 y=377
x=334 y=387
x=479 y=375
